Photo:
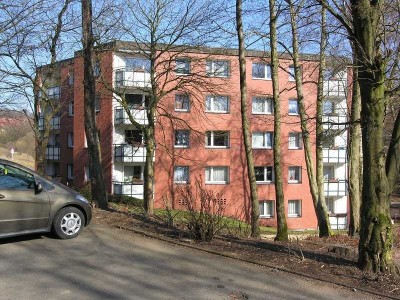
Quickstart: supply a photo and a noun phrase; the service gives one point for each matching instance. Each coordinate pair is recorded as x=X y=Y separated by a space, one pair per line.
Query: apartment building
x=198 y=130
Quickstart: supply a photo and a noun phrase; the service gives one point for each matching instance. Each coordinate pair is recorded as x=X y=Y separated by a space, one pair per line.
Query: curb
x=265 y=265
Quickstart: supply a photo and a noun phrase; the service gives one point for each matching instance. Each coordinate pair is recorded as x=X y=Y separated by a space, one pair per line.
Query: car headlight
x=81 y=198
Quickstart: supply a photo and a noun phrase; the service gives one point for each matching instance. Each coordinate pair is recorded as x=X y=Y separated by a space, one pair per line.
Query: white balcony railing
x=53 y=152
x=335 y=188
x=129 y=78
x=121 y=116
x=54 y=123
x=334 y=122
x=335 y=88
x=129 y=153
x=338 y=155
x=128 y=189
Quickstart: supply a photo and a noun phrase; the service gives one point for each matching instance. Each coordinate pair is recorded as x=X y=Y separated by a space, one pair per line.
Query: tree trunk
x=282 y=229
x=354 y=156
x=319 y=203
x=99 y=193
x=255 y=209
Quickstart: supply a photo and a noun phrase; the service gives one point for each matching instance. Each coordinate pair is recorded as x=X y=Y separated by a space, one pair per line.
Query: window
x=262 y=140
x=70 y=108
x=261 y=71
x=294 y=140
x=182 y=102
x=219 y=104
x=219 y=175
x=217 y=139
x=262 y=105
x=133 y=173
x=70 y=171
x=134 y=137
x=294 y=208
x=294 y=174
x=87 y=173
x=182 y=66
x=119 y=78
x=137 y=64
x=54 y=92
x=330 y=205
x=217 y=68
x=85 y=140
x=70 y=139
x=70 y=77
x=181 y=174
x=134 y=100
x=328 y=108
x=263 y=174
x=293 y=107
x=54 y=140
x=267 y=209
x=329 y=173
x=96 y=69
x=181 y=138
x=291 y=73
x=15 y=179
x=97 y=103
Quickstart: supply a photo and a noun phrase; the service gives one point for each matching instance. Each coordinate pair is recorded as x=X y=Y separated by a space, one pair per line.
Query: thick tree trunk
x=355 y=157
x=148 y=192
x=99 y=193
x=318 y=200
x=282 y=228
x=255 y=209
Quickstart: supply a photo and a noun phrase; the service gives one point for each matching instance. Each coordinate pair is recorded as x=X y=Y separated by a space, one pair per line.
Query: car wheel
x=68 y=223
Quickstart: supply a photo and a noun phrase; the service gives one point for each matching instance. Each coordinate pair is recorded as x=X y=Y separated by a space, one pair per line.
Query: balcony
x=54 y=123
x=335 y=88
x=335 y=188
x=129 y=153
x=128 y=78
x=338 y=221
x=121 y=116
x=128 y=189
x=334 y=122
x=336 y=156
x=53 y=152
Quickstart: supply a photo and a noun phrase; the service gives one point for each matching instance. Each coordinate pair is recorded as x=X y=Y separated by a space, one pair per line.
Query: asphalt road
x=108 y=263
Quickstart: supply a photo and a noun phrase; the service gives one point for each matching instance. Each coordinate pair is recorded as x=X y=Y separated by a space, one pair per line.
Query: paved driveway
x=108 y=263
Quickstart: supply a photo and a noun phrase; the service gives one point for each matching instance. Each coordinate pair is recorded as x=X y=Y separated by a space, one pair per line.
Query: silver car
x=30 y=203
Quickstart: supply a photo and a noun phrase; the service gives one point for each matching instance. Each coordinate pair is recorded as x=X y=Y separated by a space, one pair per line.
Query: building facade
x=199 y=131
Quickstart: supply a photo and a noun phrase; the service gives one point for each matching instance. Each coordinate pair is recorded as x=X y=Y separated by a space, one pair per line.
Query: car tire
x=68 y=223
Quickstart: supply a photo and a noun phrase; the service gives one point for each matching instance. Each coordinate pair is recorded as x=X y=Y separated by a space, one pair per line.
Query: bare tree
x=99 y=193
x=255 y=210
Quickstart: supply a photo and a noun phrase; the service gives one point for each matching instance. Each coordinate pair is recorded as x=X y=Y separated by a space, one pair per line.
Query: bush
x=123 y=199
x=207 y=220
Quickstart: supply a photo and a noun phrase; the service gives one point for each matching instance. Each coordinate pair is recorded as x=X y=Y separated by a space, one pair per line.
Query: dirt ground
x=332 y=259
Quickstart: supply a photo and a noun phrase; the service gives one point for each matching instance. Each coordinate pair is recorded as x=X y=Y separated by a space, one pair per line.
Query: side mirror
x=38 y=188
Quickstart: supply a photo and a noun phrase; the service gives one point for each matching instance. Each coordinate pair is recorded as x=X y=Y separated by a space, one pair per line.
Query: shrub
x=205 y=211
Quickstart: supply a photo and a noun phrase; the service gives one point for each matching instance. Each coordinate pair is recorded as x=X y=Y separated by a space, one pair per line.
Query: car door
x=21 y=207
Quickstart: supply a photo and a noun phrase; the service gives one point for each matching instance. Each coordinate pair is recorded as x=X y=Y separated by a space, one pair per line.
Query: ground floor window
x=294 y=208
x=267 y=209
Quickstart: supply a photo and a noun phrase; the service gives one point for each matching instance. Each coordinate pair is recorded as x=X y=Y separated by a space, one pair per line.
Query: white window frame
x=267 y=71
x=182 y=66
x=210 y=103
x=70 y=139
x=294 y=138
x=265 y=171
x=265 y=136
x=213 y=70
x=71 y=108
x=210 y=136
x=291 y=72
x=211 y=170
x=264 y=204
x=294 y=180
x=267 y=103
x=297 y=210
x=70 y=171
x=297 y=105
x=186 y=171
x=188 y=138
x=182 y=97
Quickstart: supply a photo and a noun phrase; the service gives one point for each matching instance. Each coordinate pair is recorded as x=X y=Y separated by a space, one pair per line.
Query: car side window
x=12 y=178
